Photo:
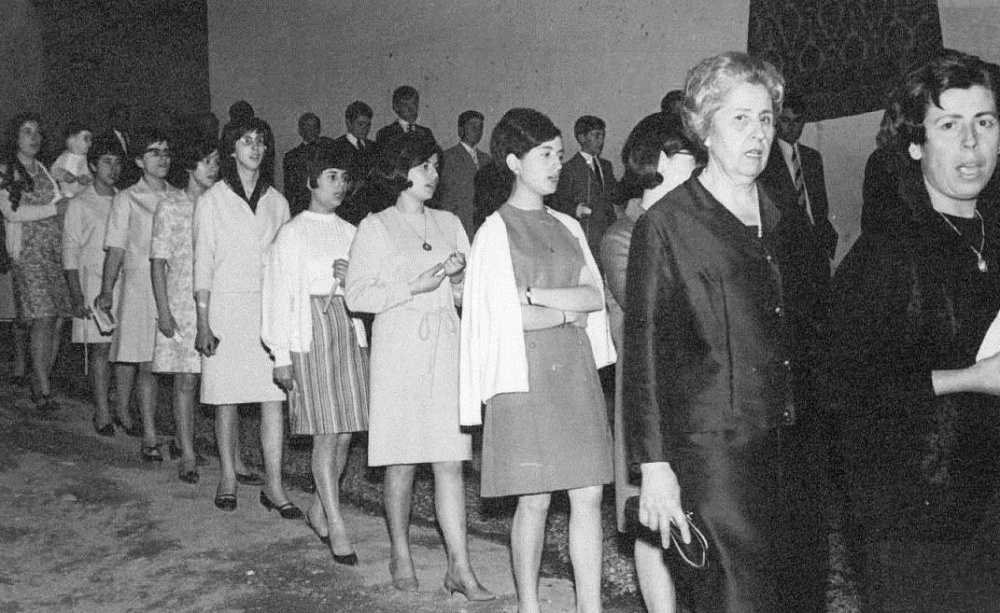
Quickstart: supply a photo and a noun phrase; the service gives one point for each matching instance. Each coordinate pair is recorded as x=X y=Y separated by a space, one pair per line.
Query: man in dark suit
x=358 y=118
x=406 y=104
x=587 y=184
x=794 y=177
x=294 y=165
x=459 y=165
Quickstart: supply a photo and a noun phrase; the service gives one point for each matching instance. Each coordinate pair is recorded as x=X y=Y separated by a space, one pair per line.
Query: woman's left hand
x=455 y=264
x=340 y=271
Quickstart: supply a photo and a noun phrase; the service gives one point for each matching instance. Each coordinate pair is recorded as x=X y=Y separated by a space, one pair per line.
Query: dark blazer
x=706 y=340
x=342 y=140
x=781 y=185
x=391 y=133
x=578 y=183
x=455 y=191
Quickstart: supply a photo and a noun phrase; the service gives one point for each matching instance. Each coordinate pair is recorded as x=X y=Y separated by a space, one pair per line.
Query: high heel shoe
x=323 y=538
x=151 y=453
x=475 y=593
x=350 y=559
x=107 y=430
x=287 y=510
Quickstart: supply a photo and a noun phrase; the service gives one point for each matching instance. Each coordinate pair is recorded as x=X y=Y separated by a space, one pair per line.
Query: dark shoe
x=287 y=510
x=151 y=453
x=475 y=593
x=249 y=479
x=107 y=430
x=175 y=452
x=225 y=502
x=135 y=431
x=323 y=538
x=188 y=475
x=350 y=559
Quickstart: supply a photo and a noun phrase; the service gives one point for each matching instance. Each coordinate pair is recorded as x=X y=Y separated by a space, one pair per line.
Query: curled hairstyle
x=149 y=136
x=15 y=178
x=234 y=132
x=711 y=79
x=394 y=163
x=519 y=131
x=327 y=155
x=104 y=144
x=655 y=134
x=195 y=149
x=923 y=86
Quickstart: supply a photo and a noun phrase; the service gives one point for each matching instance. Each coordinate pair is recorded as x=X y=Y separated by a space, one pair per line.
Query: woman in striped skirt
x=319 y=349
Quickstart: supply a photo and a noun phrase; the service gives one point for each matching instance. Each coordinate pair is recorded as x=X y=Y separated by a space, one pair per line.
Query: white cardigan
x=493 y=359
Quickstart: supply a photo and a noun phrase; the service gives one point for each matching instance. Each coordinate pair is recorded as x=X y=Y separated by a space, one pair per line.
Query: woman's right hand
x=103 y=302
x=428 y=281
x=660 y=502
x=284 y=377
x=205 y=342
x=167 y=324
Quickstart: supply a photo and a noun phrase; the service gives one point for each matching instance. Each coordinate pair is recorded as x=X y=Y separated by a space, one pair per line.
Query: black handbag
x=693 y=554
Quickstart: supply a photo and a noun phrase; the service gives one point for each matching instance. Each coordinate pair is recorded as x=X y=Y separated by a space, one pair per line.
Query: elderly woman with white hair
x=707 y=361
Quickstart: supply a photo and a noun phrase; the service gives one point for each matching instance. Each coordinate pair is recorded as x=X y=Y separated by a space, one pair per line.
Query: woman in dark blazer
x=706 y=366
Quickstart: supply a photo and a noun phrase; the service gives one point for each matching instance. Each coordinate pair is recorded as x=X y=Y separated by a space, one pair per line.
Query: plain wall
x=22 y=74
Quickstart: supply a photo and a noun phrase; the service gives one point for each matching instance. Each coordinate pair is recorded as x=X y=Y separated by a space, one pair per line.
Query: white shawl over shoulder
x=493 y=359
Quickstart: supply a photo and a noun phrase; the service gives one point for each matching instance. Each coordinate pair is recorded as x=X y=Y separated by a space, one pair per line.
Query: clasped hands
x=430 y=279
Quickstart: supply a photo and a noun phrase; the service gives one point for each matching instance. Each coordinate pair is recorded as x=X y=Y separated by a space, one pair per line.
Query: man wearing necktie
x=587 y=184
x=406 y=105
x=459 y=165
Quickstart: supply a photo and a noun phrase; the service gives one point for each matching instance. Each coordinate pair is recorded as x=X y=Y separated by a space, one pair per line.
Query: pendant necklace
x=980 y=260
x=426 y=246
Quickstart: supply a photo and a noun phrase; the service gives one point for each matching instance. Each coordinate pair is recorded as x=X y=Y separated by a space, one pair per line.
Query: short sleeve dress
x=556 y=435
x=413 y=415
x=172 y=241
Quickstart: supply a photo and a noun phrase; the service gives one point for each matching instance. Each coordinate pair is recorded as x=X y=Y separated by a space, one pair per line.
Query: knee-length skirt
x=556 y=435
x=241 y=371
x=331 y=379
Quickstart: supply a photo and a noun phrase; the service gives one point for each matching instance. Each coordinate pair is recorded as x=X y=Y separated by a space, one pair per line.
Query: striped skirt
x=331 y=379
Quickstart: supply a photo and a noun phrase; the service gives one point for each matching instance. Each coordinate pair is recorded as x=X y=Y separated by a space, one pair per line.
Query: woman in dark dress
x=706 y=366
x=534 y=331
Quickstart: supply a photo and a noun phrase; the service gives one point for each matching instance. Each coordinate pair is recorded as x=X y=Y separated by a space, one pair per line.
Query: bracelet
x=527 y=295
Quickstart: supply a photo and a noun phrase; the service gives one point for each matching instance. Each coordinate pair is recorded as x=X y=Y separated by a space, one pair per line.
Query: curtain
x=841 y=57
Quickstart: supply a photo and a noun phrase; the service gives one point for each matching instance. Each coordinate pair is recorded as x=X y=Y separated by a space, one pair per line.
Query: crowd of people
x=411 y=292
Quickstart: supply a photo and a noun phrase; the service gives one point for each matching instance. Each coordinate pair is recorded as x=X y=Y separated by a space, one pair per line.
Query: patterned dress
x=40 y=288
x=172 y=240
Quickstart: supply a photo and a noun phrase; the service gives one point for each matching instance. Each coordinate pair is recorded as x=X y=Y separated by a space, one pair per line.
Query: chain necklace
x=981 y=261
x=426 y=246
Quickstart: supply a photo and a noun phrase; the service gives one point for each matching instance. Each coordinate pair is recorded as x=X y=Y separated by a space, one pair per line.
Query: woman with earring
x=534 y=332
x=407 y=267
x=320 y=352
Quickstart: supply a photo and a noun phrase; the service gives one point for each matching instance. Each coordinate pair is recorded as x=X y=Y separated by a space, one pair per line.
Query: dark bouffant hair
x=519 y=131
x=149 y=136
x=15 y=178
x=194 y=149
x=329 y=155
x=656 y=133
x=394 y=163
x=232 y=133
x=104 y=144
x=923 y=87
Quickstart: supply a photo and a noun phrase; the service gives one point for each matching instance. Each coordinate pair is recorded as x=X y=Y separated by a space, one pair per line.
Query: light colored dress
x=130 y=227
x=231 y=242
x=172 y=241
x=415 y=338
x=83 y=251
x=75 y=164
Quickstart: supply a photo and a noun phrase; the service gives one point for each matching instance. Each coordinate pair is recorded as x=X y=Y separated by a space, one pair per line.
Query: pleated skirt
x=331 y=379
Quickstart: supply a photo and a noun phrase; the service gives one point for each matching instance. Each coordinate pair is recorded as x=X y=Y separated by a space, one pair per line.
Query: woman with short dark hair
x=400 y=260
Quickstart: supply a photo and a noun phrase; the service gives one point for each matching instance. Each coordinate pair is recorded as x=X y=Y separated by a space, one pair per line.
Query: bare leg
x=585 y=538
x=329 y=457
x=271 y=442
x=100 y=381
x=54 y=342
x=146 y=384
x=124 y=375
x=398 y=493
x=527 y=536
x=449 y=503
x=226 y=418
x=655 y=583
x=20 y=333
x=40 y=346
x=185 y=387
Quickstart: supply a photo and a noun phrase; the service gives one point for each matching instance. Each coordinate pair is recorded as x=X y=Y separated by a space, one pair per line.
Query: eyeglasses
x=250 y=141
x=160 y=153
